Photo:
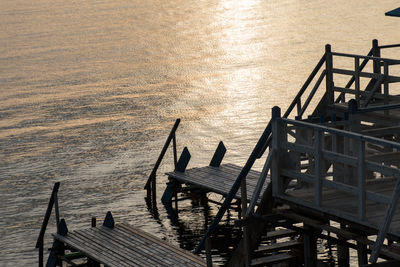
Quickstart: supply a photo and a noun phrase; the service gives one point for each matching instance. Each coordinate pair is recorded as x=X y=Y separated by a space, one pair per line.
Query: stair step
x=272 y=259
x=280 y=233
x=278 y=246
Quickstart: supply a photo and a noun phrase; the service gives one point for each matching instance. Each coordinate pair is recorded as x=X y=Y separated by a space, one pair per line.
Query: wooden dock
x=108 y=245
x=217 y=179
x=344 y=157
x=124 y=245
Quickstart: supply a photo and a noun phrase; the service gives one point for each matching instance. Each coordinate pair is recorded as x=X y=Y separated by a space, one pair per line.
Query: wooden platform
x=218 y=179
x=343 y=205
x=124 y=245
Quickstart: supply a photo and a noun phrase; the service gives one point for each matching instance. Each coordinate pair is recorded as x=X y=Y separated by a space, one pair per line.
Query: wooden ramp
x=121 y=245
x=218 y=179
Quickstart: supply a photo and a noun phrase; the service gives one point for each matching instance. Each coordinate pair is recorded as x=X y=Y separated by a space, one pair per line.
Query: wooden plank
x=218 y=179
x=278 y=246
x=126 y=246
x=280 y=233
x=272 y=259
x=162 y=243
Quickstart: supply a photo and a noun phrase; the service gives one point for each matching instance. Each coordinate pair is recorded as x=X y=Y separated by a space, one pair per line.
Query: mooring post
x=329 y=74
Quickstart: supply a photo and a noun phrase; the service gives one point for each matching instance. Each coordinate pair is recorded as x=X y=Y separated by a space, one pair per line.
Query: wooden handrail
x=352 y=79
x=161 y=156
x=305 y=86
x=358 y=161
x=53 y=199
x=389 y=46
x=235 y=187
x=389 y=60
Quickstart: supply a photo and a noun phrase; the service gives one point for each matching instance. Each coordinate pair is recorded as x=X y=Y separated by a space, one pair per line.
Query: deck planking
x=218 y=179
x=336 y=203
x=124 y=245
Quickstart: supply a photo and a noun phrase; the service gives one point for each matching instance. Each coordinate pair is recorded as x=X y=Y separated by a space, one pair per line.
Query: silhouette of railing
x=52 y=202
x=355 y=162
x=151 y=181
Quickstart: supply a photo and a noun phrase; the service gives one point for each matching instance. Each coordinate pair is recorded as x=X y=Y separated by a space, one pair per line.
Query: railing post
x=151 y=181
x=276 y=188
x=357 y=79
x=376 y=52
x=243 y=197
x=386 y=86
x=329 y=74
x=39 y=242
x=318 y=135
x=174 y=150
x=361 y=181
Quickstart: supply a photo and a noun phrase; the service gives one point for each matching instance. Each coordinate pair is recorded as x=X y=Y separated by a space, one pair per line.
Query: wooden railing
x=151 y=184
x=346 y=150
x=265 y=140
x=52 y=202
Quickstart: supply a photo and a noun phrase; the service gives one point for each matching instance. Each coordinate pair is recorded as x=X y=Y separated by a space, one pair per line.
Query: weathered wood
x=218 y=155
x=124 y=245
x=183 y=160
x=386 y=223
x=329 y=74
x=263 y=261
x=218 y=180
x=318 y=168
x=343 y=253
x=278 y=246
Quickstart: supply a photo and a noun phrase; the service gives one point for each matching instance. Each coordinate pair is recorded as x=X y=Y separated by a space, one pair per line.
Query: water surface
x=90 y=89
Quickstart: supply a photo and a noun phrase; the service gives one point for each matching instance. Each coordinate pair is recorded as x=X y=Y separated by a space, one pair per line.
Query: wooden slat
x=271 y=259
x=218 y=179
x=124 y=245
x=278 y=246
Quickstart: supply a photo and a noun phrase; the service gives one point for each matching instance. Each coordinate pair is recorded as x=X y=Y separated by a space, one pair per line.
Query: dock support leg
x=310 y=247
x=362 y=254
x=343 y=253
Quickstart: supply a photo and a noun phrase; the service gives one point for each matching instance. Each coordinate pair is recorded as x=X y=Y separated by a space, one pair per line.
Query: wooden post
x=329 y=74
x=318 y=167
x=151 y=183
x=208 y=252
x=174 y=150
x=386 y=86
x=243 y=197
x=310 y=247
x=362 y=254
x=343 y=253
x=276 y=114
x=39 y=242
x=361 y=181
x=376 y=52
x=357 y=79
x=93 y=221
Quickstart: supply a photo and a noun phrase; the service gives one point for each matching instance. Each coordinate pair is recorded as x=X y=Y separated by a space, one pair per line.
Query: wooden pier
x=110 y=245
x=332 y=173
x=342 y=161
x=216 y=179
